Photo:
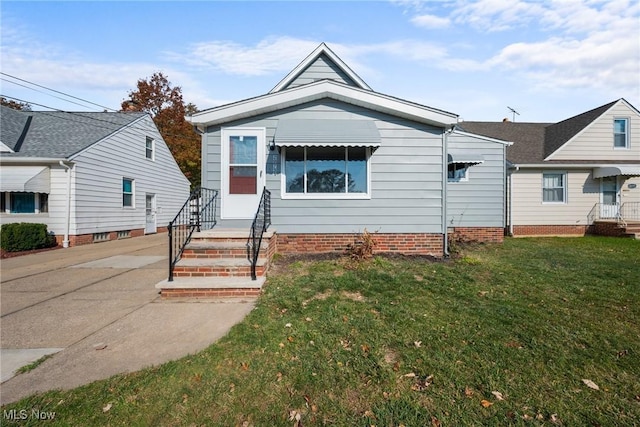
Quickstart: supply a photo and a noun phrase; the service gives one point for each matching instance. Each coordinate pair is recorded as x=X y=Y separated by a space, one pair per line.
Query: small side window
x=149 y=148
x=127 y=193
x=620 y=133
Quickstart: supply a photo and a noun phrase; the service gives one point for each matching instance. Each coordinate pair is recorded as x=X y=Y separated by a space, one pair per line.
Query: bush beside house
x=24 y=236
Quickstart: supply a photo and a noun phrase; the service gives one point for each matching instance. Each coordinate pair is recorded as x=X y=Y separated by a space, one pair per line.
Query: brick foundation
x=477 y=234
x=549 y=230
x=86 y=239
x=607 y=228
x=408 y=244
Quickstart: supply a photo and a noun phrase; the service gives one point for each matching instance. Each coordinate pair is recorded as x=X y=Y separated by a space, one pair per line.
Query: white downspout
x=445 y=228
x=517 y=168
x=65 y=242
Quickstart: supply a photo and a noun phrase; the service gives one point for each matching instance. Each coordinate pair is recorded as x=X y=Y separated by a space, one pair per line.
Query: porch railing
x=261 y=222
x=628 y=211
x=198 y=213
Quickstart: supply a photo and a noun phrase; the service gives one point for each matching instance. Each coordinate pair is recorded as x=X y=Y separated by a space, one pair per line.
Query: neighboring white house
x=88 y=176
x=566 y=176
x=339 y=158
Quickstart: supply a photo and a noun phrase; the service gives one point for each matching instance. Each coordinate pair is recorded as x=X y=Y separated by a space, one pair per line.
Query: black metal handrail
x=197 y=213
x=261 y=222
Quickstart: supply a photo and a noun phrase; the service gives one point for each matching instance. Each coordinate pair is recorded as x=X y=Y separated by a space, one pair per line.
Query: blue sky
x=549 y=60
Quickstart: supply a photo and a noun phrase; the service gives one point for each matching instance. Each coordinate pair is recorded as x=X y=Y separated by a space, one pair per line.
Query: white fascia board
x=323 y=48
x=323 y=89
x=482 y=137
x=568 y=165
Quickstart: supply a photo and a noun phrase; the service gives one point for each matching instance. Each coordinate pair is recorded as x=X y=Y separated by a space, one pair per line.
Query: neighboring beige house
x=577 y=176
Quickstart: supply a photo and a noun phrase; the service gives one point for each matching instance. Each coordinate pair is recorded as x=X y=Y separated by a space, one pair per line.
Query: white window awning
x=326 y=133
x=29 y=179
x=465 y=157
x=626 y=170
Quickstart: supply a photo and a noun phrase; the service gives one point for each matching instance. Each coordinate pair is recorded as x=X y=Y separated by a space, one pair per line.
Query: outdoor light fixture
x=272 y=144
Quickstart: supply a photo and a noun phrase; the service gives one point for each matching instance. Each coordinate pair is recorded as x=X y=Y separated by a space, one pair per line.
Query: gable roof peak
x=322 y=50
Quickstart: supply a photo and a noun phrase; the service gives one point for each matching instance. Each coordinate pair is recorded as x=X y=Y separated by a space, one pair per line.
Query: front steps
x=215 y=265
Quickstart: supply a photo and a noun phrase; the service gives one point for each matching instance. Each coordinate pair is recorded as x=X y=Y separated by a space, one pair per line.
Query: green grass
x=408 y=342
x=31 y=366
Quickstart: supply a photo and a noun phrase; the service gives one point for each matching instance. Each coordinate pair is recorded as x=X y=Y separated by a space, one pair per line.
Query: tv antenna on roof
x=514 y=113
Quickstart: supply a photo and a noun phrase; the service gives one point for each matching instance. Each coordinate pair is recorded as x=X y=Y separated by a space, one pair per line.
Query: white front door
x=150 y=213
x=609 y=197
x=243 y=177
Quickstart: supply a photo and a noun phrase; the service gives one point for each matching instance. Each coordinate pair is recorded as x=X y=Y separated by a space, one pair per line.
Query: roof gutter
x=30 y=160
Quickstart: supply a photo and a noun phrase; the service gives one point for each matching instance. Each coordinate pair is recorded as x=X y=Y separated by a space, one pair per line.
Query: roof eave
x=319 y=90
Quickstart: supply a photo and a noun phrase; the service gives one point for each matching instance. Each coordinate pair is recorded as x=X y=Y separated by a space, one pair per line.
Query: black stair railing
x=261 y=222
x=198 y=213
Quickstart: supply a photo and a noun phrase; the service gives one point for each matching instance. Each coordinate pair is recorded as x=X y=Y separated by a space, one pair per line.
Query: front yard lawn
x=531 y=332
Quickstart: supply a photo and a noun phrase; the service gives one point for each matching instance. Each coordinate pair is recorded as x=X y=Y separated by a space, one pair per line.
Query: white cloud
x=430 y=21
x=69 y=72
x=268 y=56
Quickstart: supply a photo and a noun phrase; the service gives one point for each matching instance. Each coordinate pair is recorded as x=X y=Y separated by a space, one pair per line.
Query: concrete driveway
x=95 y=309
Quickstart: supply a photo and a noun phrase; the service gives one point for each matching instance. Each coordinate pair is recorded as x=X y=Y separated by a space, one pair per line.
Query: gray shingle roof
x=58 y=134
x=534 y=142
x=527 y=138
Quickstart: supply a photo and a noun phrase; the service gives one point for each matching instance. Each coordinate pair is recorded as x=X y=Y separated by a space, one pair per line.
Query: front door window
x=609 y=197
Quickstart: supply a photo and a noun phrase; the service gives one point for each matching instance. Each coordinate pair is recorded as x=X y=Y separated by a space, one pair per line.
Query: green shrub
x=25 y=236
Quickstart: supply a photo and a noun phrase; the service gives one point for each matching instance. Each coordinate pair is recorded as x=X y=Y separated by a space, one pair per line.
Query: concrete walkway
x=96 y=310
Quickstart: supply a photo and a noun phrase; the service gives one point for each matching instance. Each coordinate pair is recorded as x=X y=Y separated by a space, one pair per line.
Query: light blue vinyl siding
x=478 y=202
x=406 y=177
x=321 y=69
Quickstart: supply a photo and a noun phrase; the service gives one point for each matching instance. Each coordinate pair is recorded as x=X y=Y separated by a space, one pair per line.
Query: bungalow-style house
x=339 y=158
x=577 y=176
x=88 y=176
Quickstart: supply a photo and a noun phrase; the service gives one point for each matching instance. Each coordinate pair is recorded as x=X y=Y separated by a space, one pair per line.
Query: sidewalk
x=97 y=306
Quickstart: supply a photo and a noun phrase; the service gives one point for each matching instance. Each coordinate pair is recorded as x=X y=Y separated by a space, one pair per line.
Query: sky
x=548 y=60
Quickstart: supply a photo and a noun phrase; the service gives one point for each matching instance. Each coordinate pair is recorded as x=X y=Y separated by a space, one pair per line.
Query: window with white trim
x=326 y=172
x=554 y=187
x=457 y=172
x=620 y=133
x=127 y=193
x=24 y=203
x=150 y=148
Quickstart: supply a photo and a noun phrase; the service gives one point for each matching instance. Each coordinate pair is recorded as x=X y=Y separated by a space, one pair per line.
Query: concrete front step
x=224 y=267
x=217 y=249
x=211 y=287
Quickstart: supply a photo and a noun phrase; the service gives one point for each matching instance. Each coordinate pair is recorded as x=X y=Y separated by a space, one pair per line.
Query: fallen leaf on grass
x=590 y=384
x=281 y=345
x=486 y=403
x=290 y=339
x=554 y=418
x=435 y=422
x=288 y=325
x=107 y=407
x=422 y=385
x=417 y=343
x=244 y=366
x=279 y=376
x=308 y=319
x=527 y=417
x=498 y=395
x=410 y=375
x=468 y=392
